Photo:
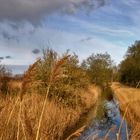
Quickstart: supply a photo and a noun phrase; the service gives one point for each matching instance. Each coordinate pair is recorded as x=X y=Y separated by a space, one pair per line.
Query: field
x=129 y=102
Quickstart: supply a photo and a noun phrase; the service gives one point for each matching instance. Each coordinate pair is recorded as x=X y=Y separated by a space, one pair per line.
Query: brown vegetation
x=56 y=117
x=129 y=101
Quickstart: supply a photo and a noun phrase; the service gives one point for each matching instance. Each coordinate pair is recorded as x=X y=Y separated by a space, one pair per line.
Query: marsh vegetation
x=56 y=91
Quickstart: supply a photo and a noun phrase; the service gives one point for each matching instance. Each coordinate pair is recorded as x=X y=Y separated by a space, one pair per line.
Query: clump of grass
x=55 y=119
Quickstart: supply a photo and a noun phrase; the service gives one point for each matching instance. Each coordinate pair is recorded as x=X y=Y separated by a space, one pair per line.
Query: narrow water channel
x=107 y=121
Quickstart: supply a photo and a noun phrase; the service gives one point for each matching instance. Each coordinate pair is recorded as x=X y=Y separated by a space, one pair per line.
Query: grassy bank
x=19 y=120
x=129 y=101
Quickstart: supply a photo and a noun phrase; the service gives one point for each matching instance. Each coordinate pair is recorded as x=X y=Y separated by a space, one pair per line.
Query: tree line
x=129 y=68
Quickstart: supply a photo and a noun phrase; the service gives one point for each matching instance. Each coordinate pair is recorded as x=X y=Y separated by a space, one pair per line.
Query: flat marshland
x=129 y=102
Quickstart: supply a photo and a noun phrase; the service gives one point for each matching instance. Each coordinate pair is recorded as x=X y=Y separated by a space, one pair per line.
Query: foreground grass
x=129 y=101
x=19 y=120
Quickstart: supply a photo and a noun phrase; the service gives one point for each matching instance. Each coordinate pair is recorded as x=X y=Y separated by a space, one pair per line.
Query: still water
x=107 y=122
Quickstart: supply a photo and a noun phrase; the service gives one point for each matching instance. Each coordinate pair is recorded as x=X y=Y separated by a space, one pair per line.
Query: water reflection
x=107 y=122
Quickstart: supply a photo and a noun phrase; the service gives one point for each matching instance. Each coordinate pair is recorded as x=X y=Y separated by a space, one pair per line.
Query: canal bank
x=88 y=112
x=129 y=102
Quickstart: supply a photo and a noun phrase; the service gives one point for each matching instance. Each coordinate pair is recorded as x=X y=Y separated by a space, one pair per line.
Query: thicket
x=69 y=78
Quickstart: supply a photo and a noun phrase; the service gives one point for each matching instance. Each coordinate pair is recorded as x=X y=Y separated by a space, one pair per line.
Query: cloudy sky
x=83 y=26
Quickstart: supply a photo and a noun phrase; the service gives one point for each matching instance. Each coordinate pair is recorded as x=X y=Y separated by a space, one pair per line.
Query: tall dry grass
x=129 y=98
x=56 y=118
x=56 y=72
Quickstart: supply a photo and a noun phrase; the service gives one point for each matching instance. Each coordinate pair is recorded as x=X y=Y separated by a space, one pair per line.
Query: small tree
x=99 y=68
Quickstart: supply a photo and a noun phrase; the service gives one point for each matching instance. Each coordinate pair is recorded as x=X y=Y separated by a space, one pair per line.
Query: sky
x=82 y=26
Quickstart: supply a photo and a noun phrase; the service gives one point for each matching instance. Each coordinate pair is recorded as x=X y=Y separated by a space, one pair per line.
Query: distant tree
x=99 y=68
x=130 y=66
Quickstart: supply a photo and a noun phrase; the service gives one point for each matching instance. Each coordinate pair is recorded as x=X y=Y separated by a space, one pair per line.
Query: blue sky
x=110 y=27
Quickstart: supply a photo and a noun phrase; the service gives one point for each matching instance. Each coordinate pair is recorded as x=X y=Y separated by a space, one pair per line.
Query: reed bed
x=21 y=123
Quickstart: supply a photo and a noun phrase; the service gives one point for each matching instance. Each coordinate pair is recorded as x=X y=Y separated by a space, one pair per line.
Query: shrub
x=99 y=68
x=71 y=78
